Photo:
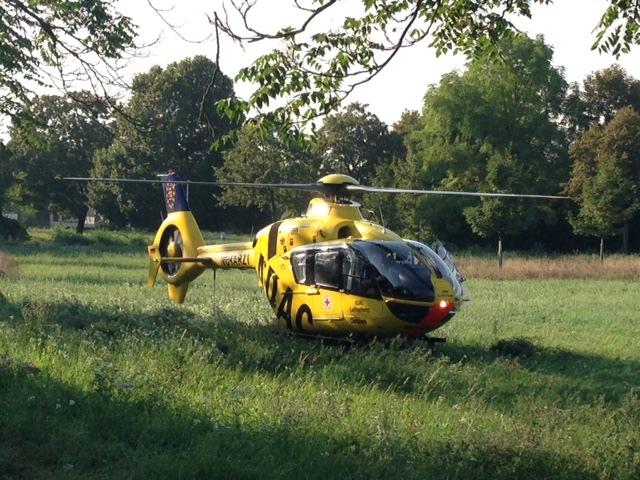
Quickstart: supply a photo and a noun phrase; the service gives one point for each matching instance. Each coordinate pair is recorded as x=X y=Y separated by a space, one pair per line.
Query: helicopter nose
x=441 y=312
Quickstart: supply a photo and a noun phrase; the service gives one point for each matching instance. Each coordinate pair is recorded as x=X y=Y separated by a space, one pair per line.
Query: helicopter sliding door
x=341 y=288
x=362 y=301
x=327 y=279
x=318 y=298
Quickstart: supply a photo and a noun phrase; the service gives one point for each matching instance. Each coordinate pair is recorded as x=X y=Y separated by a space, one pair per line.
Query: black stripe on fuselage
x=272 y=246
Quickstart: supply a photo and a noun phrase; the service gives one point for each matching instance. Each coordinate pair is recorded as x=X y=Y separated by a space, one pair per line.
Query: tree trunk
x=500 y=255
x=273 y=207
x=82 y=217
x=601 y=249
x=625 y=237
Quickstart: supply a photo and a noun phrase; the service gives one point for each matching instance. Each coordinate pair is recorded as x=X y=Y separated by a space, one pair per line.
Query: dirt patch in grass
x=8 y=265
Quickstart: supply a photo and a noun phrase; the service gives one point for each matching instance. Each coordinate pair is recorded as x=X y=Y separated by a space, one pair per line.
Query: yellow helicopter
x=328 y=272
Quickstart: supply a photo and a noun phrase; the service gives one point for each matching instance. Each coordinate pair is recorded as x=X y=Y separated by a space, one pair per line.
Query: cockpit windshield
x=445 y=268
x=403 y=274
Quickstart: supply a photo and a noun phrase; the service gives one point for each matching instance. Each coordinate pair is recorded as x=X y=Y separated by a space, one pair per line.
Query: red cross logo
x=326 y=302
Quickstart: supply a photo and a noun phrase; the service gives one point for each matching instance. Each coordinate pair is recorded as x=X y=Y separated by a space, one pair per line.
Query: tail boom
x=229 y=255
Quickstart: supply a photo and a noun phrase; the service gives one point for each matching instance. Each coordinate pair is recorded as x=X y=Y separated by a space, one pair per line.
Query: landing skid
x=433 y=340
x=354 y=340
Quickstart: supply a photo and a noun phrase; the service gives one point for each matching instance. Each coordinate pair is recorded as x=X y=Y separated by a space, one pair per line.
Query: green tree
x=5 y=173
x=267 y=158
x=605 y=180
x=311 y=71
x=164 y=127
x=607 y=91
x=56 y=42
x=575 y=117
x=403 y=171
x=492 y=128
x=355 y=142
x=53 y=138
x=602 y=94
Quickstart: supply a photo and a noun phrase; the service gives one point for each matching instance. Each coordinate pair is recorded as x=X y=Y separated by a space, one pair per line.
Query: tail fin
x=174 y=194
x=174 y=251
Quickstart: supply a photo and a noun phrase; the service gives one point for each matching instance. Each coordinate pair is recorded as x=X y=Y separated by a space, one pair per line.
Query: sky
x=567 y=25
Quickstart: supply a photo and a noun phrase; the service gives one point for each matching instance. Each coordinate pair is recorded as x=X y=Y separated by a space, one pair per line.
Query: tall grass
x=561 y=266
x=101 y=378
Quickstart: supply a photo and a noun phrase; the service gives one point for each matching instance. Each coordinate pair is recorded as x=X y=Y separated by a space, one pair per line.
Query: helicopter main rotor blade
x=316 y=187
x=365 y=188
x=289 y=186
x=311 y=187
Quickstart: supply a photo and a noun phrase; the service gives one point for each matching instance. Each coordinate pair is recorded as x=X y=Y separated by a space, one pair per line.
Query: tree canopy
x=167 y=131
x=355 y=142
x=5 y=173
x=311 y=71
x=492 y=128
x=352 y=141
x=602 y=94
x=56 y=43
x=605 y=180
x=53 y=138
x=268 y=158
x=607 y=91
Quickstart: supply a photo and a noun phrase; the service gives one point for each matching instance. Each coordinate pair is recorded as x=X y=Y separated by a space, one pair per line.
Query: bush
x=119 y=238
x=100 y=237
x=69 y=237
x=11 y=230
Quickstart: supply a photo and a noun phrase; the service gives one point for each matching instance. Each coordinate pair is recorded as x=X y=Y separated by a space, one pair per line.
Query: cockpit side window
x=322 y=268
x=302 y=263
x=328 y=269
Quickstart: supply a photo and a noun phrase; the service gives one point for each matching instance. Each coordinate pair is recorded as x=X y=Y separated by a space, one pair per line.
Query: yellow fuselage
x=323 y=306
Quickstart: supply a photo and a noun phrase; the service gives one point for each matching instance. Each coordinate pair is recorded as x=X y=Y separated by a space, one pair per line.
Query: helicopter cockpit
x=366 y=268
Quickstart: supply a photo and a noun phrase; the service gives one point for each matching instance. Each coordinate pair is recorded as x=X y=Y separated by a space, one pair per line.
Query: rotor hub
x=333 y=187
x=171 y=245
x=174 y=250
x=338 y=179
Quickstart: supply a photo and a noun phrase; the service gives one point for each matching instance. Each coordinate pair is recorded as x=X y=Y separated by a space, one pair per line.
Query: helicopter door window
x=302 y=263
x=328 y=269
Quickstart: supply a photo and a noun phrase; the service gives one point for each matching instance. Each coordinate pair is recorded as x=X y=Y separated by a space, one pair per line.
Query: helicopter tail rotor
x=174 y=252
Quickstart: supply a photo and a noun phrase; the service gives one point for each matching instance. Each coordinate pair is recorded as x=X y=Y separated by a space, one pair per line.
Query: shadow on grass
x=564 y=375
x=49 y=429
x=453 y=371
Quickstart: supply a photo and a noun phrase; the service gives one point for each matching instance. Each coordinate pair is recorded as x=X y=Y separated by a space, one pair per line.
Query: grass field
x=103 y=378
